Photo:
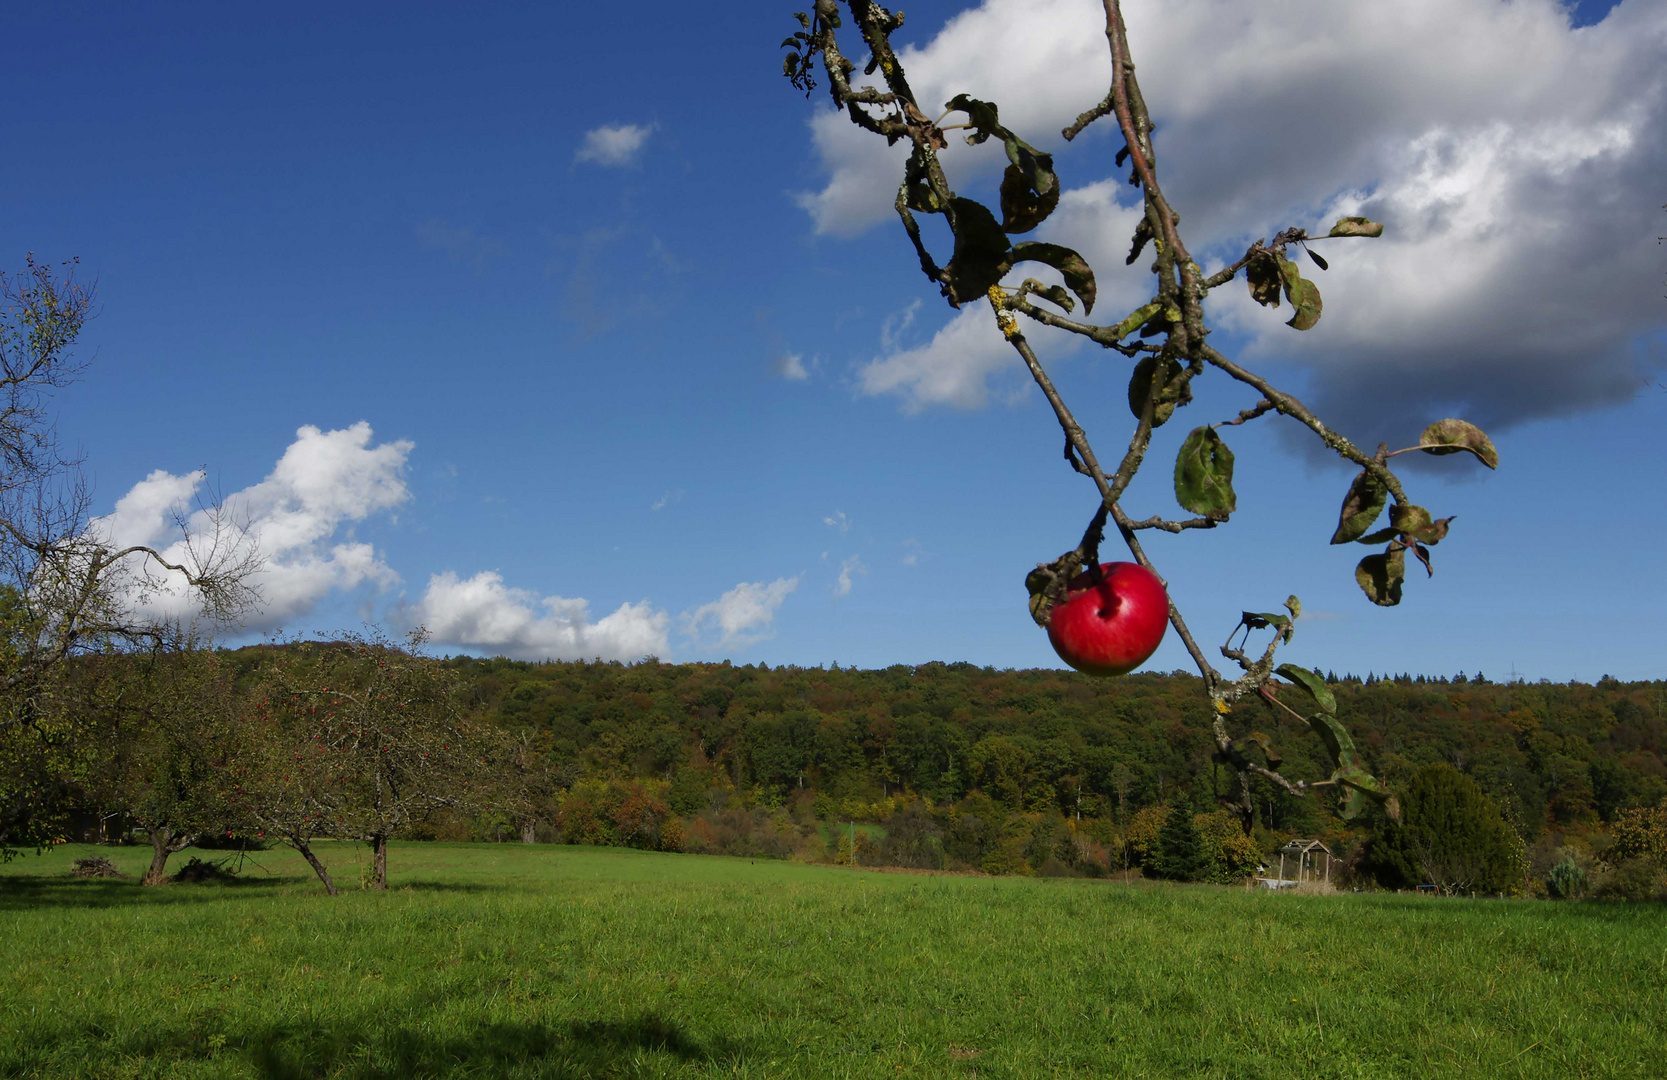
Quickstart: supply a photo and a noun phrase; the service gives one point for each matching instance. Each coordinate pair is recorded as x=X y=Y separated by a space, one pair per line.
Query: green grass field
x=505 y=960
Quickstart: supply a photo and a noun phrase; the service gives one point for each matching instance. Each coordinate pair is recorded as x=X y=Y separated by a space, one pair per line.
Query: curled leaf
x=1261 y=620
x=1361 y=787
x=1073 y=267
x=1142 y=236
x=1451 y=436
x=1361 y=506
x=1355 y=226
x=1055 y=293
x=1022 y=206
x=1319 y=262
x=1380 y=576
x=1303 y=294
x=1265 y=280
x=981 y=250
x=1140 y=385
x=1204 y=474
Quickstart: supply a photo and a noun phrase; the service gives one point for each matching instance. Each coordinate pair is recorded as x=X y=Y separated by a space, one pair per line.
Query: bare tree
x=1166 y=338
x=362 y=739
x=165 y=723
x=66 y=588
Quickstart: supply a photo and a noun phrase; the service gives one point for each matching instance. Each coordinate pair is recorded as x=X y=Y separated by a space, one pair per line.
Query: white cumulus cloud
x=481 y=612
x=743 y=615
x=324 y=481
x=613 y=144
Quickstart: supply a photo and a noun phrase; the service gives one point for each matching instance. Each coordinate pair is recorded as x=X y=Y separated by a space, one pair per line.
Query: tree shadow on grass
x=593 y=1048
x=22 y=893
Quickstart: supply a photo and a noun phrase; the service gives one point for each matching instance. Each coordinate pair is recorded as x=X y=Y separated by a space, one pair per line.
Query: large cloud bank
x=1515 y=160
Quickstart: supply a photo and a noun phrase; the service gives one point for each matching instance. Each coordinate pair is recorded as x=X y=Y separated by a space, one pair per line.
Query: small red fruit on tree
x=1111 y=626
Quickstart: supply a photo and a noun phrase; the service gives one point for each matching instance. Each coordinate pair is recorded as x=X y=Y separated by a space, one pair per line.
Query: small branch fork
x=896 y=114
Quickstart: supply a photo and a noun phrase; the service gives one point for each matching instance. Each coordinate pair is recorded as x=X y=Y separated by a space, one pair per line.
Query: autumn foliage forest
x=951 y=766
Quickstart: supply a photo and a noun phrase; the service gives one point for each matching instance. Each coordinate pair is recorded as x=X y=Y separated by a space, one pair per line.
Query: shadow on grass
x=23 y=892
x=583 y=1049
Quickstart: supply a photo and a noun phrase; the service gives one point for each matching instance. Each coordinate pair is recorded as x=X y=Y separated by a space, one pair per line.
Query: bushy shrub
x=623 y=813
x=1635 y=880
x=754 y=833
x=1451 y=835
x=1178 y=852
x=1228 y=852
x=1566 y=881
x=1639 y=834
x=913 y=839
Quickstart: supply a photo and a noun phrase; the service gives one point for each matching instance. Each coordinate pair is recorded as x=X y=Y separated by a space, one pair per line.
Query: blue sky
x=485 y=313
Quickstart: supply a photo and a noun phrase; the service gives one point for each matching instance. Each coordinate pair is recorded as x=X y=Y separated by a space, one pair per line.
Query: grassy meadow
x=511 y=960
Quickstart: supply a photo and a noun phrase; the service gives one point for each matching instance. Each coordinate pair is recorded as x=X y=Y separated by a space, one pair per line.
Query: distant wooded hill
x=1554 y=756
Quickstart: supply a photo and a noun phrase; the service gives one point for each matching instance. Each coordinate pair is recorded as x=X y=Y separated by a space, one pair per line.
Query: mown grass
x=513 y=961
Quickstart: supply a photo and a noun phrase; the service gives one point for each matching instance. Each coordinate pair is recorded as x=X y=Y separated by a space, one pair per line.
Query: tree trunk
x=527 y=832
x=318 y=868
x=160 y=847
x=379 y=862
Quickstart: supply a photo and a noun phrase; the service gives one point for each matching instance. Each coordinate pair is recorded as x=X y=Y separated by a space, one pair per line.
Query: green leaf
x=1137 y=318
x=1408 y=518
x=1303 y=294
x=1261 y=620
x=1361 y=506
x=1036 y=166
x=1380 y=576
x=1415 y=521
x=1022 y=208
x=1311 y=683
x=1274 y=760
x=1362 y=788
x=1294 y=606
x=1140 y=384
x=981 y=249
x=1355 y=226
x=1382 y=536
x=1265 y=279
x=1433 y=533
x=1204 y=474
x=1456 y=435
x=1319 y=262
x=1072 y=266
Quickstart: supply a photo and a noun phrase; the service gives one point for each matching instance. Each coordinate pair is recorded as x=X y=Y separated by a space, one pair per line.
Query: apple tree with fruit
x=1108 y=618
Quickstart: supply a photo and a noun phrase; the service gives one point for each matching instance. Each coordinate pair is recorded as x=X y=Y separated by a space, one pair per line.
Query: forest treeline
x=1045 y=770
x=1511 y=787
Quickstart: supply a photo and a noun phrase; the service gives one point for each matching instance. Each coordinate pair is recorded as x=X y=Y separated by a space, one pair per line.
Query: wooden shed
x=1305 y=858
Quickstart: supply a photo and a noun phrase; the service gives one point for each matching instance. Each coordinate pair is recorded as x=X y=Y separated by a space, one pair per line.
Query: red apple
x=1110 y=627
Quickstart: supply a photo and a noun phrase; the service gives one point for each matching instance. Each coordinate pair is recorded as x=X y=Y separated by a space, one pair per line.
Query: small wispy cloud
x=743 y=615
x=614 y=145
x=464 y=245
x=847 y=569
x=667 y=499
x=838 y=520
x=790 y=366
x=913 y=552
